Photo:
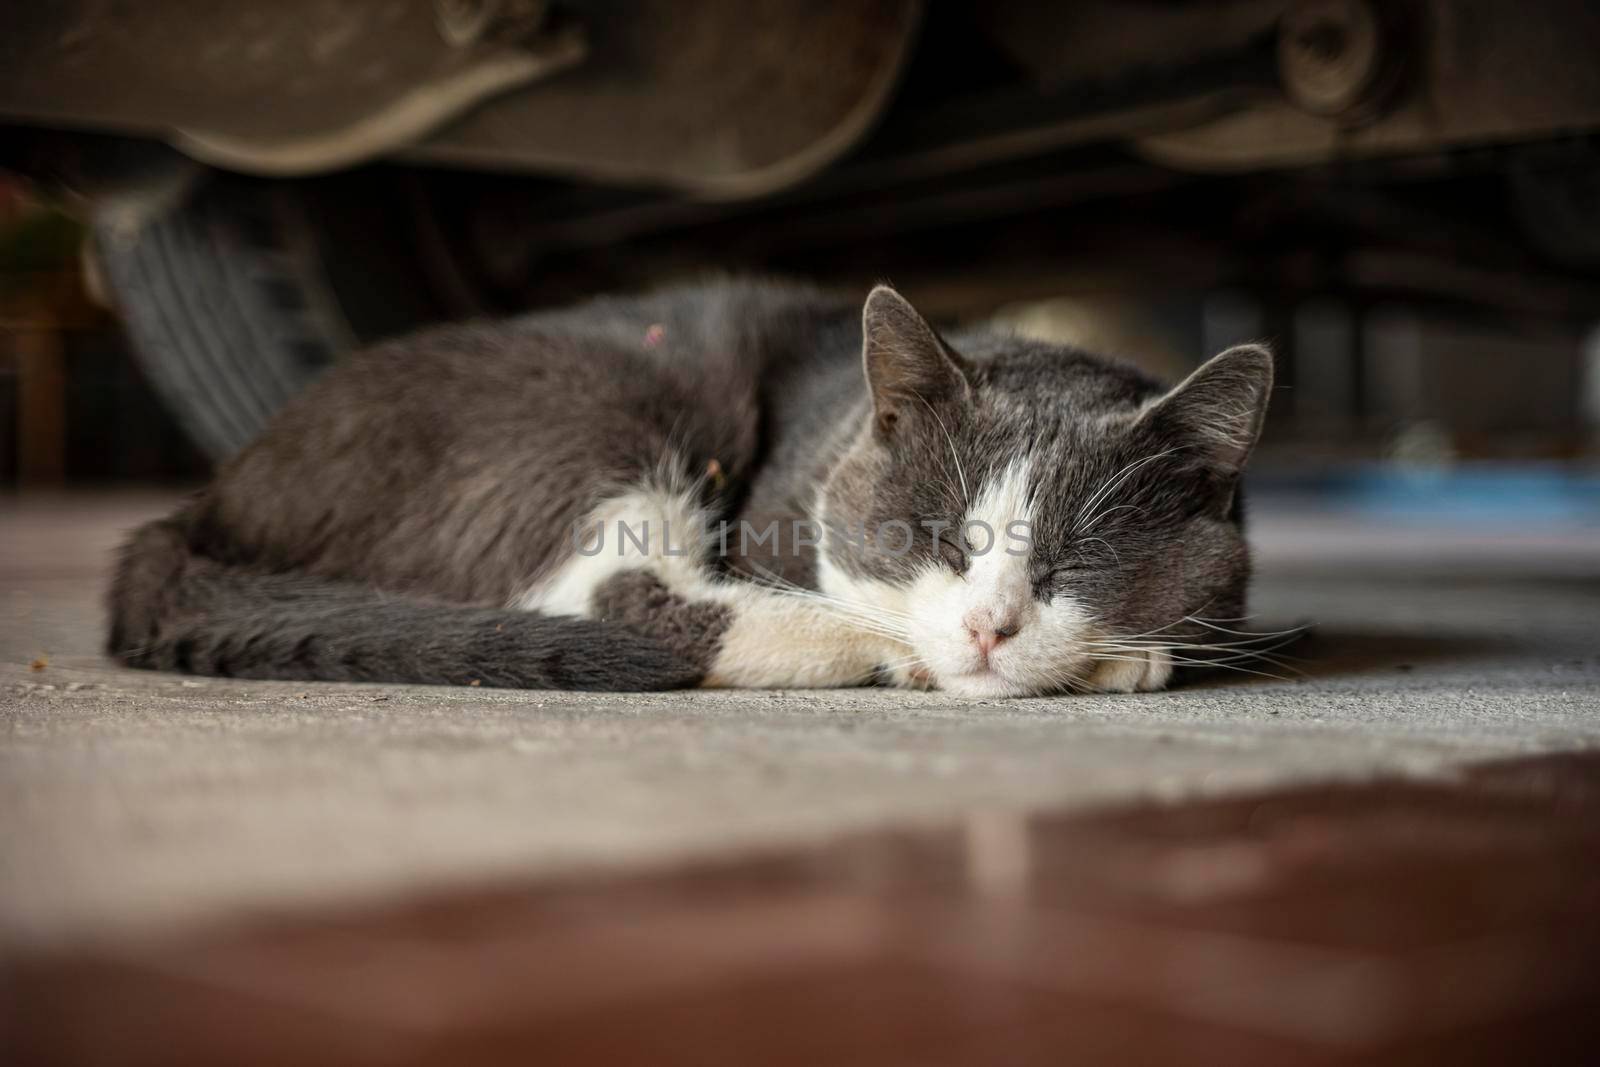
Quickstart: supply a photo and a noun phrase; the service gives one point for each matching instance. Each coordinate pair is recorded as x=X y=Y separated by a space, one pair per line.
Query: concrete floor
x=133 y=802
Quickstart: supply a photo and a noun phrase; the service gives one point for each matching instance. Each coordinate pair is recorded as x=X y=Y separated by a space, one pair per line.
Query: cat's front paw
x=1131 y=672
x=640 y=601
x=907 y=676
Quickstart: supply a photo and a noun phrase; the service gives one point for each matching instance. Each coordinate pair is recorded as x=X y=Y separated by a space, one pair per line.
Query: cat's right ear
x=908 y=366
x=1216 y=414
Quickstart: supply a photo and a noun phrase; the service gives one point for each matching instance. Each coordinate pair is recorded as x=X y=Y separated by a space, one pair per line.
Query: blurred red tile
x=1379 y=923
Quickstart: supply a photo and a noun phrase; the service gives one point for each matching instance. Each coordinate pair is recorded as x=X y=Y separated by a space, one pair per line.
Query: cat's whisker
x=1248 y=637
x=1240 y=648
x=1086 y=527
x=1111 y=484
x=1117 y=555
x=870 y=618
x=865 y=623
x=786 y=586
x=1229 y=661
x=903 y=662
x=966 y=494
x=1267 y=643
x=1197 y=653
x=858 y=608
x=1069 y=680
x=1178 y=622
x=1187 y=662
x=1297 y=631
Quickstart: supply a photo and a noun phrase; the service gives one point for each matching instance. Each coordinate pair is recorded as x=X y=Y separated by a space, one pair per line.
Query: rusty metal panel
x=724 y=99
x=292 y=86
x=1470 y=72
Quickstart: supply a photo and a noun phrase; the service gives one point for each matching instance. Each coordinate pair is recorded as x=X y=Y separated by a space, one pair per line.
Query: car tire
x=226 y=303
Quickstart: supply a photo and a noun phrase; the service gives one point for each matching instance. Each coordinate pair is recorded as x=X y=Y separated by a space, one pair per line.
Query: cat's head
x=1032 y=518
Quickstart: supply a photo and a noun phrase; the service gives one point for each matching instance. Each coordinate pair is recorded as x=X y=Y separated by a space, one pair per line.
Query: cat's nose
x=988 y=628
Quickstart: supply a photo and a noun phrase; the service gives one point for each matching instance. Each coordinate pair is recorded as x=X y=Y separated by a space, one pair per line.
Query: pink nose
x=987 y=629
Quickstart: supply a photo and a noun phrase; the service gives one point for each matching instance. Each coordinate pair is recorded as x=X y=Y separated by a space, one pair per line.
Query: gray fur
x=176 y=610
x=378 y=528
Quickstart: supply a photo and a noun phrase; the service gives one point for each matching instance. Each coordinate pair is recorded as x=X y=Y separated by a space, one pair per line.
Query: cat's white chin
x=1138 y=672
x=992 y=683
x=988 y=684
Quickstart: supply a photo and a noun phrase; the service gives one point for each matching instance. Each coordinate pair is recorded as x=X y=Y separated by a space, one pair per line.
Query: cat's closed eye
x=1053 y=578
x=1062 y=576
x=953 y=552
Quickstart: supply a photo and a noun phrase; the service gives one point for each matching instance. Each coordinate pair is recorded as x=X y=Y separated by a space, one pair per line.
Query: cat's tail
x=173 y=609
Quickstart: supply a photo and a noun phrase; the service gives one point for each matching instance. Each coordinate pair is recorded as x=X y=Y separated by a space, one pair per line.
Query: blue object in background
x=1497 y=494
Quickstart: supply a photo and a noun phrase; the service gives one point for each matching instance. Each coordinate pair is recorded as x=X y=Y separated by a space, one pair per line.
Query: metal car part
x=726 y=100
x=723 y=100
x=288 y=87
x=1474 y=72
x=1336 y=57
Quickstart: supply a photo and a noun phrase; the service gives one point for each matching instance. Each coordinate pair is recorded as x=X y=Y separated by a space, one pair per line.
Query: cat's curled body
x=469 y=506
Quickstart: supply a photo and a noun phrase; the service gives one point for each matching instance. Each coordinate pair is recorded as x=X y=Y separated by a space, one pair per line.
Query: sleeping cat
x=735 y=484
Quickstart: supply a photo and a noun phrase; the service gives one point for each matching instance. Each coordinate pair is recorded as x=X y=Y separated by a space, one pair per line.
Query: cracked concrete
x=137 y=801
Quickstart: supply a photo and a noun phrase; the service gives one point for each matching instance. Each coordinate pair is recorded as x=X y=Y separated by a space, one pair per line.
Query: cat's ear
x=1215 y=415
x=907 y=363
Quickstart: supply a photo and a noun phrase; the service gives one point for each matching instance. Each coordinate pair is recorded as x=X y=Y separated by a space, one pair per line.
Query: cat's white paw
x=913 y=676
x=1132 y=672
x=660 y=531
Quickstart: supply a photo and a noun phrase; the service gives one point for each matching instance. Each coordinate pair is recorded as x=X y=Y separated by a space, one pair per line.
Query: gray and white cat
x=736 y=484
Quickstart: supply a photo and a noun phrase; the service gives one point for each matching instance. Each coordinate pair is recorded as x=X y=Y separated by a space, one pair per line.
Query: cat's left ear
x=1216 y=414
x=907 y=364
